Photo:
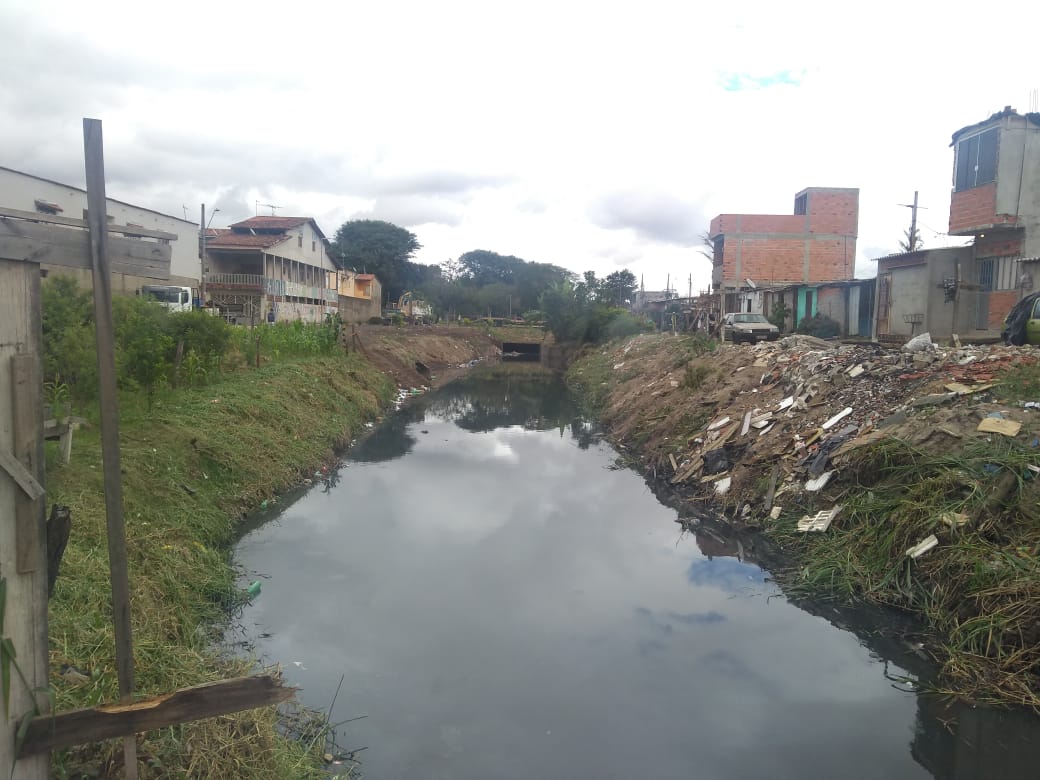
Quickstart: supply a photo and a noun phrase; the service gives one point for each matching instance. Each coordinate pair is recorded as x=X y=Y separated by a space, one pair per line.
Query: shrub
x=778 y=316
x=69 y=346
x=201 y=333
x=375 y=320
x=819 y=326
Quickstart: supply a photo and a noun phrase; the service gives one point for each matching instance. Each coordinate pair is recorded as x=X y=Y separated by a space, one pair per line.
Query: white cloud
x=593 y=138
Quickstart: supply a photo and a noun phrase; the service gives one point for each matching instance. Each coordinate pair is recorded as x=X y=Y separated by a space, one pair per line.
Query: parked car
x=741 y=326
x=1022 y=324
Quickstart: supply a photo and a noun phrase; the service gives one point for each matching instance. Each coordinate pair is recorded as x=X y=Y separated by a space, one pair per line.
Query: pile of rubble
x=791 y=412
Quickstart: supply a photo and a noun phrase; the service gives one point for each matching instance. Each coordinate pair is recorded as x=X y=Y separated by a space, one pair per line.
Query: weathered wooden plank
x=25 y=619
x=55 y=219
x=94 y=157
x=21 y=475
x=70 y=248
x=26 y=432
x=78 y=727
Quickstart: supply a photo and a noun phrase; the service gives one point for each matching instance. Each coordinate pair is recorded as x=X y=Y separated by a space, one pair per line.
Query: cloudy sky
x=597 y=136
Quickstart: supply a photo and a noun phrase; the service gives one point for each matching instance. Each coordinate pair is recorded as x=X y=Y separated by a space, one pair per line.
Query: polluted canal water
x=502 y=600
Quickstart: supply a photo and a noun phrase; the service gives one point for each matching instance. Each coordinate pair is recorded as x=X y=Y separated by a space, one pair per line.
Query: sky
x=595 y=136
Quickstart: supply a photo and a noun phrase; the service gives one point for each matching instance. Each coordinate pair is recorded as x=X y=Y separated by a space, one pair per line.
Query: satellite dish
x=751 y=284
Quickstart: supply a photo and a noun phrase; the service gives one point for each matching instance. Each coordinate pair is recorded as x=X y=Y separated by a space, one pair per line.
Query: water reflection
x=503 y=605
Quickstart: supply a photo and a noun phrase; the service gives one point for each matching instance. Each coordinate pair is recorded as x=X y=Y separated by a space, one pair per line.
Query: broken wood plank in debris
x=693 y=467
x=819 y=522
x=789 y=401
x=718 y=424
x=675 y=466
x=998 y=425
x=856 y=370
x=837 y=418
x=78 y=727
x=963 y=389
x=871 y=438
x=922 y=546
x=746 y=426
x=771 y=490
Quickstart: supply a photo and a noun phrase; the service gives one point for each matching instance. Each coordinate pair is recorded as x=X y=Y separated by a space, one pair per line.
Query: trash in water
x=254 y=589
x=923 y=546
x=819 y=522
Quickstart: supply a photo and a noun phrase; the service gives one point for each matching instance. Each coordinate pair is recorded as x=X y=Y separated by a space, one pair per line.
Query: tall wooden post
x=97 y=219
x=22 y=562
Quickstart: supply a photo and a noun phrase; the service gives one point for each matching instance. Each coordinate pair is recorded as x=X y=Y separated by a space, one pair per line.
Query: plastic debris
x=837 y=418
x=774 y=513
x=254 y=589
x=955 y=519
x=923 y=546
x=920 y=343
x=819 y=522
x=722 y=486
x=820 y=482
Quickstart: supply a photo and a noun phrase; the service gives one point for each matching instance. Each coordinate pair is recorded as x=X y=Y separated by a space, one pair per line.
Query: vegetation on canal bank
x=978 y=591
x=193 y=464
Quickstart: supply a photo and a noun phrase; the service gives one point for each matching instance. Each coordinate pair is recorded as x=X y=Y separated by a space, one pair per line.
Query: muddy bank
x=918 y=469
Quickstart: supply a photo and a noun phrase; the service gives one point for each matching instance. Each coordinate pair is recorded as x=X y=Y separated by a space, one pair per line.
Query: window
x=299 y=241
x=314 y=246
x=801 y=204
x=976 y=160
x=718 y=249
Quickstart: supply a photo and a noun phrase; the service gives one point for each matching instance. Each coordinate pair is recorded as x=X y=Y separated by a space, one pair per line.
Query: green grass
x=979 y=590
x=192 y=466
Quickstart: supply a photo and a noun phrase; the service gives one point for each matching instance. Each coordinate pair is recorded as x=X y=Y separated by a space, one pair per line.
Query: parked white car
x=741 y=326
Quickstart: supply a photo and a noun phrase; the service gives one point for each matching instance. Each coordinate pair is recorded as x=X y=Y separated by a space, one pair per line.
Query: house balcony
x=263 y=285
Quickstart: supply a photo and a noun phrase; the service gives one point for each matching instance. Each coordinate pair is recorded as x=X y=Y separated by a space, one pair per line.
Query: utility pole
x=912 y=239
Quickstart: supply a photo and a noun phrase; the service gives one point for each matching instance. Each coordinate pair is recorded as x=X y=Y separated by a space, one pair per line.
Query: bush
x=201 y=333
x=143 y=345
x=819 y=326
x=778 y=316
x=375 y=320
x=69 y=346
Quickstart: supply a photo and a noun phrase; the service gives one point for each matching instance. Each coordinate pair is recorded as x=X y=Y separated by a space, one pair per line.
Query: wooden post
x=97 y=219
x=22 y=564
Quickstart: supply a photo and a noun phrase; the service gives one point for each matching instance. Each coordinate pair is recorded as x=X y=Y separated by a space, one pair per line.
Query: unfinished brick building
x=817 y=243
x=996 y=199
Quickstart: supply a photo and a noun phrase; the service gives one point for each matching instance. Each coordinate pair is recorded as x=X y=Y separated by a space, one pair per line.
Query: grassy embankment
x=979 y=591
x=192 y=466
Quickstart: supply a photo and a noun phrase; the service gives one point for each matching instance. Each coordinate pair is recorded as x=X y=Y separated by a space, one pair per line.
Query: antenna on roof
x=269 y=206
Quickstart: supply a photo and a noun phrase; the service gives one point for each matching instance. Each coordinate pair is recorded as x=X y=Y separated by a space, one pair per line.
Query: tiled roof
x=271 y=223
x=231 y=240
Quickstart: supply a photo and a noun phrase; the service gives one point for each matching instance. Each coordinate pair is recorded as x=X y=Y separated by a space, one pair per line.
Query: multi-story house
x=753 y=253
x=270 y=268
x=996 y=200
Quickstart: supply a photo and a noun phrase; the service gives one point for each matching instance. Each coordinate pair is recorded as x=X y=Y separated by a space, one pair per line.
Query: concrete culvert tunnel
x=520 y=350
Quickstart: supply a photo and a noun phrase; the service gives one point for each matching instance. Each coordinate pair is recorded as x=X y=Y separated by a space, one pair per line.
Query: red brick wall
x=767 y=260
x=772 y=223
x=999 y=244
x=831 y=259
x=834 y=212
x=974 y=208
x=1000 y=303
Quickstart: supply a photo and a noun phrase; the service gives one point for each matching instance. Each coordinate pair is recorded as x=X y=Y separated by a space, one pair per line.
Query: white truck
x=172 y=297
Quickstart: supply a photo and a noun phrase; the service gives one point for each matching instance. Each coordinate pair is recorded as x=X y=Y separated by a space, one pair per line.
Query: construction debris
x=999 y=425
x=820 y=521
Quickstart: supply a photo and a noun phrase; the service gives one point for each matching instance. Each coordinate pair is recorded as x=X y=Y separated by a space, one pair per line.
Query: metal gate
x=982 y=299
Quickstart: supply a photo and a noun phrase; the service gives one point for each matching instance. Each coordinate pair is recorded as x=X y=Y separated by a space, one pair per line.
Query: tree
x=619 y=287
x=910 y=243
x=382 y=248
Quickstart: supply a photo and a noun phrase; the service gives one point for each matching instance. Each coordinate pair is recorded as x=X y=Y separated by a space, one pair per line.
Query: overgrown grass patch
x=192 y=465
x=979 y=589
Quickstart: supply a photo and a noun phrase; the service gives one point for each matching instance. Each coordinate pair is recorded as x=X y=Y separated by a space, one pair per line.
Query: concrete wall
x=19 y=191
x=358 y=309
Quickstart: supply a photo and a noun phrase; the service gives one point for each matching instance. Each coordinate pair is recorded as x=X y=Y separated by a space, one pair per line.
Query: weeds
x=979 y=590
x=200 y=458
